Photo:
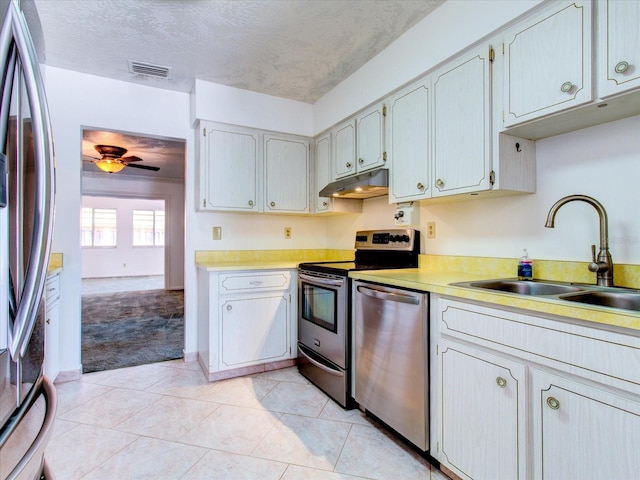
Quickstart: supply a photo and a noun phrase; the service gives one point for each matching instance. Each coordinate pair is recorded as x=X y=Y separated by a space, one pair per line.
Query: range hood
x=364 y=185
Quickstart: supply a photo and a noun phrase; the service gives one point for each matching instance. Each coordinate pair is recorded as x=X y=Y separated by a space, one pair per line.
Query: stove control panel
x=394 y=239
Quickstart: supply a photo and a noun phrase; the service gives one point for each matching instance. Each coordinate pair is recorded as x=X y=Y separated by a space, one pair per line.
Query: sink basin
x=525 y=287
x=624 y=300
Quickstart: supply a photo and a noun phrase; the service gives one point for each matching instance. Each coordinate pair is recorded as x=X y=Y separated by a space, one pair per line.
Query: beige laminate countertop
x=439 y=282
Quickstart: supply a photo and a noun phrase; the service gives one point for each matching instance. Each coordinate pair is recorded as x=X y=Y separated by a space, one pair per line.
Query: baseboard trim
x=68 y=376
x=189 y=356
x=250 y=370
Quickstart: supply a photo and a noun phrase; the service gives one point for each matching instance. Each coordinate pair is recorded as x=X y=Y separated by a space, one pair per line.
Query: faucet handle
x=594 y=266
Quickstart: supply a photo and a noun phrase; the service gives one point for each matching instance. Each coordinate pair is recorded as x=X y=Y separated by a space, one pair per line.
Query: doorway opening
x=132 y=235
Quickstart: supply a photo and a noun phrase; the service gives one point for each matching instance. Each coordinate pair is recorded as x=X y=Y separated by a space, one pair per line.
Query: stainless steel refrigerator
x=27 y=397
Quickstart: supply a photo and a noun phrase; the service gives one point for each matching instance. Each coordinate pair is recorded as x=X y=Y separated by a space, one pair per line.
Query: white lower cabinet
x=483 y=397
x=518 y=396
x=246 y=321
x=253 y=328
x=582 y=432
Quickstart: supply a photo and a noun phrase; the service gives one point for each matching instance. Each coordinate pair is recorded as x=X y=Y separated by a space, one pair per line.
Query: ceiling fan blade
x=144 y=167
x=131 y=159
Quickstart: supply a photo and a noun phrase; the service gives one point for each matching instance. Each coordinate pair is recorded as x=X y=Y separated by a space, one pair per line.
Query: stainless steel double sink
x=613 y=297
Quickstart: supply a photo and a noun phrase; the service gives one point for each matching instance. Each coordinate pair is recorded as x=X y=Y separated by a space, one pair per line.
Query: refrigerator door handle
x=38 y=259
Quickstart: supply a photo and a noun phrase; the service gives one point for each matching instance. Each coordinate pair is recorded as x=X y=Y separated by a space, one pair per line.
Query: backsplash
x=301 y=255
x=557 y=270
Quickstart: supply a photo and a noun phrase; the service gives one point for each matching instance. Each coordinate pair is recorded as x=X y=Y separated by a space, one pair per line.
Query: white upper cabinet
x=344 y=145
x=618 y=46
x=409 y=172
x=370 y=138
x=548 y=63
x=286 y=174
x=228 y=168
x=462 y=124
x=359 y=143
x=248 y=170
x=322 y=168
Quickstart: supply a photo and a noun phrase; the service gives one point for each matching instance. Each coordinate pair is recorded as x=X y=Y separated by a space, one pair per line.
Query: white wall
x=122 y=260
x=452 y=27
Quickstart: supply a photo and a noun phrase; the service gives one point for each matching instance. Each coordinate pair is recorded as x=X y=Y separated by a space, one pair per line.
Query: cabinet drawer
x=546 y=341
x=238 y=282
x=52 y=289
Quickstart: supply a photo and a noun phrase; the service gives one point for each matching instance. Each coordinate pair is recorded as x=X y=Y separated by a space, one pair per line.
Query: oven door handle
x=322 y=367
x=392 y=297
x=321 y=280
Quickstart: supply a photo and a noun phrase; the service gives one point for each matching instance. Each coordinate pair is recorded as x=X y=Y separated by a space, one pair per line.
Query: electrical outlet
x=217 y=233
x=287 y=233
x=431 y=230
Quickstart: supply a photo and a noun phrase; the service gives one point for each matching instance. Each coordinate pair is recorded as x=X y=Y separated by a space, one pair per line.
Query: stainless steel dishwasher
x=391 y=358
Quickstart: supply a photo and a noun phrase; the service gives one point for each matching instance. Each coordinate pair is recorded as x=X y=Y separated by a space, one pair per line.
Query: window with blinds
x=148 y=228
x=98 y=227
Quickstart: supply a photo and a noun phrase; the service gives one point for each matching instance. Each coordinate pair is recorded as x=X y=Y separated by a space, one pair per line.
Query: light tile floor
x=165 y=421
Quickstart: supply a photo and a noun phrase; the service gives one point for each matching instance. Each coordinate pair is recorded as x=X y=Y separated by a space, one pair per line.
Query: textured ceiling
x=297 y=49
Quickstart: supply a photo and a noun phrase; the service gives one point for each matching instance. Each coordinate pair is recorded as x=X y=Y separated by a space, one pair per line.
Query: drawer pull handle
x=566 y=87
x=621 y=67
x=554 y=403
x=502 y=383
x=255 y=282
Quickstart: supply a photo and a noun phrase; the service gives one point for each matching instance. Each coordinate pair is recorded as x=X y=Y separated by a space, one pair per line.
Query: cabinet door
x=370 y=138
x=229 y=168
x=286 y=171
x=482 y=413
x=619 y=46
x=322 y=169
x=344 y=145
x=581 y=432
x=409 y=144
x=254 y=329
x=548 y=63
x=462 y=125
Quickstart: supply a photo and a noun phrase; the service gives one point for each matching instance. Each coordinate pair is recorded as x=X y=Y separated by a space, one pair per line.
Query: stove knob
x=405 y=238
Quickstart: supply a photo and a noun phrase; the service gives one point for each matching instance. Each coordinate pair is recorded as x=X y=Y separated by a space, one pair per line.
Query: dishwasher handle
x=389 y=296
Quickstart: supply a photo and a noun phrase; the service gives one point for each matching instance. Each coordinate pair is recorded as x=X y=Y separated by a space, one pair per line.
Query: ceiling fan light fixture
x=110 y=166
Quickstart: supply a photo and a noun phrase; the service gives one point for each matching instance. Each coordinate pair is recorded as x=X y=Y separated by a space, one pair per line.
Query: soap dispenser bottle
x=525 y=267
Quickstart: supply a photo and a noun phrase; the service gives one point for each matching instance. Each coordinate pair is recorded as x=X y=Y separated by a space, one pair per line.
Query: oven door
x=322 y=315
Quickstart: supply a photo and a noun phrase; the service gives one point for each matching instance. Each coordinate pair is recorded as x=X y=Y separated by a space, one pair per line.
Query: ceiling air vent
x=149 y=69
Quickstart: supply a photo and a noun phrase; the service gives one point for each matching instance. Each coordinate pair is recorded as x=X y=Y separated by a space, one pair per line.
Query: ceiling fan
x=112 y=161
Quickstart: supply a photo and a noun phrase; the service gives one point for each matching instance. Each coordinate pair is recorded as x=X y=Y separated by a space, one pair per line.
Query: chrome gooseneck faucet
x=602 y=265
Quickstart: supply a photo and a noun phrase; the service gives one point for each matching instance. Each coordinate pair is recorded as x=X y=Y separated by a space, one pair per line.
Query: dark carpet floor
x=125 y=329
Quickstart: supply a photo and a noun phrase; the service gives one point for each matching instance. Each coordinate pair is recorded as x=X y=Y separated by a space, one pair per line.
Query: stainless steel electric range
x=324 y=306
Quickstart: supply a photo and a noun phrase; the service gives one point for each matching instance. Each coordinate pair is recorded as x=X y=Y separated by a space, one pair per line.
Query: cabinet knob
x=273 y=204
x=439 y=183
x=502 y=383
x=361 y=161
x=566 y=87
x=554 y=403
x=420 y=186
x=621 y=67
x=251 y=203
x=324 y=204
x=348 y=164
x=228 y=307
x=48 y=321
